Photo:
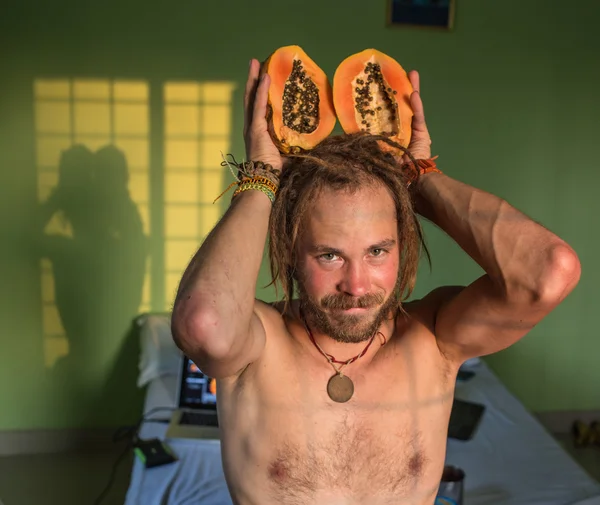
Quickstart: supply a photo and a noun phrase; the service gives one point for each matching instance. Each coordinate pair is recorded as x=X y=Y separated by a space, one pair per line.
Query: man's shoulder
x=281 y=307
x=275 y=315
x=273 y=308
x=425 y=309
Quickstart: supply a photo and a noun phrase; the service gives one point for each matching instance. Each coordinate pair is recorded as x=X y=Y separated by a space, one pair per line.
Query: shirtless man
x=284 y=438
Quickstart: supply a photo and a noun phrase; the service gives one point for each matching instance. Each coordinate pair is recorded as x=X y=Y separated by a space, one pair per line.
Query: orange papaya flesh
x=371 y=93
x=300 y=111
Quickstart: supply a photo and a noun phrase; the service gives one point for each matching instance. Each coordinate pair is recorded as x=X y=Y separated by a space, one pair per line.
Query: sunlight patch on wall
x=73 y=119
x=197 y=130
x=92 y=114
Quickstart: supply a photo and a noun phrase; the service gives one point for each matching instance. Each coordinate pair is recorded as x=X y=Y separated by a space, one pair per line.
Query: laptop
x=196 y=413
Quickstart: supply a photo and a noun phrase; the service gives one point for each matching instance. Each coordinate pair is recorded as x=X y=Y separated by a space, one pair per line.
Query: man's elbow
x=561 y=275
x=197 y=331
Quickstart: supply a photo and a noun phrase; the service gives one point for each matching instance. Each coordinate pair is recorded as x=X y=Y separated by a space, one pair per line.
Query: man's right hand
x=259 y=145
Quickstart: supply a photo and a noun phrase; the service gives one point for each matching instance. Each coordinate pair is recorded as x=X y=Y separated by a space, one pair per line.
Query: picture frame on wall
x=422 y=13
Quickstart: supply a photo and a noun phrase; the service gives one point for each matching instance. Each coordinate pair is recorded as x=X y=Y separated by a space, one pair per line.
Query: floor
x=78 y=479
x=587 y=457
x=65 y=479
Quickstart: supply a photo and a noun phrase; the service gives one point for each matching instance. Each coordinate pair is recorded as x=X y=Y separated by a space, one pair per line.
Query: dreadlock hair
x=342 y=162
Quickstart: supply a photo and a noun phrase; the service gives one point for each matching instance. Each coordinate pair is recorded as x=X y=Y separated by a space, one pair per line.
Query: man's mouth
x=352 y=310
x=356 y=310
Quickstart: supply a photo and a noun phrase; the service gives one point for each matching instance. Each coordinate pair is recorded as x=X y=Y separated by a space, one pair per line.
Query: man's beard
x=347 y=328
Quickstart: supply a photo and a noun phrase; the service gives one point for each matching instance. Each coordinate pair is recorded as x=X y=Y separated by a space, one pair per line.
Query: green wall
x=511 y=101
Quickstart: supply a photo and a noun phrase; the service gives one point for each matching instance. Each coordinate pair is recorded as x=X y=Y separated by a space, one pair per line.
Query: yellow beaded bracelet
x=245 y=186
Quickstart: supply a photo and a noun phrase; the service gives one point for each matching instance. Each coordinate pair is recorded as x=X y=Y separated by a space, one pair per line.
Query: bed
x=511 y=460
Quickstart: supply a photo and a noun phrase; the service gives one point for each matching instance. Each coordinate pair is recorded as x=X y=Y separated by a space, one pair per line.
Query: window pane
x=136 y=152
x=210 y=155
x=211 y=185
x=218 y=92
x=92 y=118
x=92 y=142
x=131 y=119
x=49 y=150
x=210 y=217
x=181 y=119
x=53 y=117
x=178 y=254
x=171 y=285
x=181 y=221
x=181 y=154
x=134 y=90
x=182 y=92
x=181 y=187
x=52 y=88
x=46 y=183
x=138 y=187
x=84 y=89
x=216 y=120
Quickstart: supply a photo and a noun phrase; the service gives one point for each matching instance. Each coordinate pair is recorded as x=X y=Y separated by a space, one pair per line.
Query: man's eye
x=328 y=257
x=377 y=252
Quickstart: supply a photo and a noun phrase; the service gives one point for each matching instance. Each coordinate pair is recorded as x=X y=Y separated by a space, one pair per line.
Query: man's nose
x=355 y=281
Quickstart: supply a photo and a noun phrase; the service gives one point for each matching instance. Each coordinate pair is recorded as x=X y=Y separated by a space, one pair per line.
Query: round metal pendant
x=340 y=388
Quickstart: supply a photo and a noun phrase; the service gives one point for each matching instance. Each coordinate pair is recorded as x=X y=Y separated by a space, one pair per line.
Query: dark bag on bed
x=464 y=419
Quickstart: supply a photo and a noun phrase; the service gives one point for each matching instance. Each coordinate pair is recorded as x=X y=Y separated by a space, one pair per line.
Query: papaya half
x=371 y=92
x=300 y=110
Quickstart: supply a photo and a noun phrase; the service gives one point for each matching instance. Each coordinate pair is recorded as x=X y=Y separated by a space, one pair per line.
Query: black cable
x=113 y=474
x=132 y=434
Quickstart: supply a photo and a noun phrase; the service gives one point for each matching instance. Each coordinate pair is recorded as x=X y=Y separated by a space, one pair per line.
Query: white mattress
x=511 y=460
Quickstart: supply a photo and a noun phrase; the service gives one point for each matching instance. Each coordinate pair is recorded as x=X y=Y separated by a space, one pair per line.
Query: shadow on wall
x=98 y=272
x=93 y=172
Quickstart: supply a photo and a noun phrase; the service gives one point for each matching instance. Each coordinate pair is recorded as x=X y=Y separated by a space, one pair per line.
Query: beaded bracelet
x=264 y=180
x=267 y=174
x=245 y=186
x=257 y=179
x=252 y=175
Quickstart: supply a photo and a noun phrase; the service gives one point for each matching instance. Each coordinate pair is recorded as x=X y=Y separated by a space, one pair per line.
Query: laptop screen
x=197 y=391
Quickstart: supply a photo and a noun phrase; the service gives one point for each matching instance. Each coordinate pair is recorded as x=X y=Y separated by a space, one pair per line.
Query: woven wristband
x=425 y=166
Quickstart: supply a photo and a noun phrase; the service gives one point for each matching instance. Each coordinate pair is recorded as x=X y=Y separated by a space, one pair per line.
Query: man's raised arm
x=529 y=270
x=214 y=318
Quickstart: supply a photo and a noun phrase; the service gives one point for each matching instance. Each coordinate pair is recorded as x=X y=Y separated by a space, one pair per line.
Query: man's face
x=348 y=262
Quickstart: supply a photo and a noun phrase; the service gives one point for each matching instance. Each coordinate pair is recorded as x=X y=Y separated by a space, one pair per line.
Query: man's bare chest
x=352 y=455
x=389 y=439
